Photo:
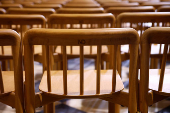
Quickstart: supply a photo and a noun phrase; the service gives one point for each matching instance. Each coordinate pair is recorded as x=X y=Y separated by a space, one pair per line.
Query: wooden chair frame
x=149 y=96
x=14 y=98
x=50 y=37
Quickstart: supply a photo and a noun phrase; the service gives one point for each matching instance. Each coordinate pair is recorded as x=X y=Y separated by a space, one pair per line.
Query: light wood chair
x=118 y=10
x=80 y=21
x=142 y=21
x=54 y=6
x=11 y=82
x=76 y=5
x=57 y=85
x=154 y=83
x=20 y=23
x=155 y=4
x=80 y=10
x=2 y=11
x=107 y=5
x=7 y=6
x=163 y=9
x=46 y=12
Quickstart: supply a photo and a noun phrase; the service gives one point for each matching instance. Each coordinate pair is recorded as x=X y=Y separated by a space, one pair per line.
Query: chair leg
x=113 y=108
x=11 y=65
x=50 y=108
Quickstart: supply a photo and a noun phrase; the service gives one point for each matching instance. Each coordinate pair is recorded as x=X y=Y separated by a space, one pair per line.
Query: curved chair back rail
x=79 y=37
x=117 y=10
x=154 y=81
x=14 y=19
x=163 y=9
x=43 y=11
x=107 y=5
x=81 y=19
x=155 y=4
x=154 y=18
x=2 y=11
x=54 y=6
x=82 y=6
x=80 y=10
x=7 y=6
x=11 y=82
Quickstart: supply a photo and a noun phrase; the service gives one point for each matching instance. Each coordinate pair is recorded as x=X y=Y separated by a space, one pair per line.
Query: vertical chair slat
x=1 y=82
x=163 y=67
x=71 y=49
x=81 y=70
x=48 y=68
x=64 y=70
x=98 y=69
x=115 y=47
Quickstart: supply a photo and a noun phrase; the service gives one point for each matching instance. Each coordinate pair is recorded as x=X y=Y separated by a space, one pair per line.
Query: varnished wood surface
x=163 y=9
x=43 y=11
x=54 y=6
x=83 y=18
x=107 y=5
x=155 y=4
x=82 y=6
x=118 y=10
x=80 y=10
x=73 y=83
x=2 y=11
x=6 y=6
x=21 y=19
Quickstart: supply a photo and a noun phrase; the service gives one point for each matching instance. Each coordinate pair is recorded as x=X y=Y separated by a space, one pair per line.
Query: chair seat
x=8 y=81
x=154 y=75
x=73 y=83
x=76 y=50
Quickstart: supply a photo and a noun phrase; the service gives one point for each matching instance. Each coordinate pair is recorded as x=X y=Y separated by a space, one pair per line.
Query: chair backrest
x=155 y=35
x=80 y=10
x=43 y=11
x=2 y=11
x=21 y=23
x=117 y=10
x=7 y=6
x=141 y=21
x=107 y=5
x=88 y=21
x=155 y=4
x=54 y=6
x=11 y=38
x=82 y=5
x=81 y=38
x=163 y=9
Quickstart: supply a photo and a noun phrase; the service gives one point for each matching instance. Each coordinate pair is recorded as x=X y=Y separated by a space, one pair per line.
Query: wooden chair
x=154 y=83
x=2 y=11
x=163 y=9
x=21 y=23
x=107 y=5
x=7 y=6
x=80 y=21
x=23 y=3
x=142 y=21
x=118 y=10
x=80 y=83
x=46 y=12
x=54 y=6
x=155 y=4
x=82 y=6
x=11 y=82
x=80 y=10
